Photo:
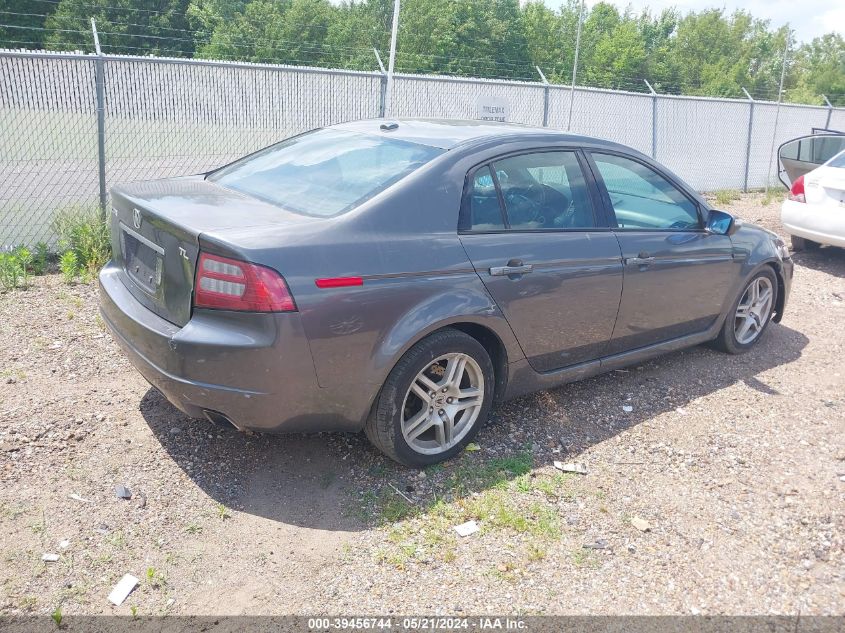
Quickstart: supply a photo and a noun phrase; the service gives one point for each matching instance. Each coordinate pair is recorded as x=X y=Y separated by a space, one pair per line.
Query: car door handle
x=501 y=271
x=643 y=259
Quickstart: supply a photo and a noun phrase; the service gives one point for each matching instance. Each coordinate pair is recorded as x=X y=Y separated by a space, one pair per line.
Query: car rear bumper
x=824 y=224
x=255 y=370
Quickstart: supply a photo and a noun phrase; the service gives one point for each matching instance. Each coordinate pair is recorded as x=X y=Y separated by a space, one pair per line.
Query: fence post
x=99 y=82
x=653 y=120
x=829 y=112
x=748 y=143
x=545 y=97
x=383 y=87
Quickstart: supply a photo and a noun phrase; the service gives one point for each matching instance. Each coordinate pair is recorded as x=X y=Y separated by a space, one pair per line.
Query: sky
x=808 y=18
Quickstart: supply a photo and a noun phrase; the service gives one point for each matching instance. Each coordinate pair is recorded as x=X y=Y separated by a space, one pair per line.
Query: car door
x=529 y=225
x=677 y=273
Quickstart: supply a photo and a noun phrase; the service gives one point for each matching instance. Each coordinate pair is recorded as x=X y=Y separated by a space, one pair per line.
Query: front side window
x=325 y=172
x=642 y=198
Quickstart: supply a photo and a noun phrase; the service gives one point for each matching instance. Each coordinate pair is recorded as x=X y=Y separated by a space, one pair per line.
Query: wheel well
x=779 y=306
x=495 y=348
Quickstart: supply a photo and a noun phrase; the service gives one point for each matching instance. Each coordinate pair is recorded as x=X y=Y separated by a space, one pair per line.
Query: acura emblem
x=136 y=218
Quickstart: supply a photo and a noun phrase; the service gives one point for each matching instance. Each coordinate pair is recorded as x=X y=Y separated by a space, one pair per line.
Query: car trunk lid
x=826 y=186
x=156 y=228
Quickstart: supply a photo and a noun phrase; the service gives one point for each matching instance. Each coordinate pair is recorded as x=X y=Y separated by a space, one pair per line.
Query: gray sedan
x=401 y=277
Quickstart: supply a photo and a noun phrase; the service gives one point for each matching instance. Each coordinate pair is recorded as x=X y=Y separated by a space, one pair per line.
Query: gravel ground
x=717 y=489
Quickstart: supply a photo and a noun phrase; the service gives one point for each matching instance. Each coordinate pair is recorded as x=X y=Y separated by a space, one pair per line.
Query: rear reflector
x=796 y=192
x=339 y=282
x=229 y=284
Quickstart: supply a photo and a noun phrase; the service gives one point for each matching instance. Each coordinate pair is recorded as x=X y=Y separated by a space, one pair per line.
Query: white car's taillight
x=796 y=193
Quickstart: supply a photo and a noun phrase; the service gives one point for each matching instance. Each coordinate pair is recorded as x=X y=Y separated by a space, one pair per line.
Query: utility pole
x=575 y=65
x=388 y=102
x=777 y=109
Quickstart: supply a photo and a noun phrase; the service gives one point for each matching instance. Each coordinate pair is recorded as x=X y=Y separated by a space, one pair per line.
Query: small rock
x=641 y=524
x=122 y=492
x=466 y=529
x=421 y=475
x=599 y=543
x=627 y=408
x=64 y=544
x=50 y=558
x=571 y=467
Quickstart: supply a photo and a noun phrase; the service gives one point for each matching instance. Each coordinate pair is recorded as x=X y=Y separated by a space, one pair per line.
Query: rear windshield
x=325 y=172
x=837 y=161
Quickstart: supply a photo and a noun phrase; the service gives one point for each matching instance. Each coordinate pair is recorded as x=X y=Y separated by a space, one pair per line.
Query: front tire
x=750 y=314
x=434 y=400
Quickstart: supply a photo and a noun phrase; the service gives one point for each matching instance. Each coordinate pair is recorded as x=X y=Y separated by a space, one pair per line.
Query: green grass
x=726 y=196
x=503 y=494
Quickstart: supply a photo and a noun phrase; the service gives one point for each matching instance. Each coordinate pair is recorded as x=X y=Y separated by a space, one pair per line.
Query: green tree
x=22 y=23
x=135 y=27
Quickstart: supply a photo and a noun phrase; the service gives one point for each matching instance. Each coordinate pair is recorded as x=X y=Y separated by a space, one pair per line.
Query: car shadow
x=337 y=481
x=827 y=259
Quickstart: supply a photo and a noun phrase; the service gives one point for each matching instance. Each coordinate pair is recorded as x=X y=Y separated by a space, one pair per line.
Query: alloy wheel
x=442 y=403
x=753 y=311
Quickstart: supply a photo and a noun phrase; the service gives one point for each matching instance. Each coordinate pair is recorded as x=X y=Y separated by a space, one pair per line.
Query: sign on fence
x=492 y=109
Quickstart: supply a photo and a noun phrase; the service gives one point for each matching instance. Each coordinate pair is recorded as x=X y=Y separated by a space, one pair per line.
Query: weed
x=11 y=271
x=223 y=511
x=57 y=616
x=193 y=528
x=134 y=611
x=39 y=260
x=24 y=257
x=83 y=232
x=536 y=552
x=27 y=603
x=69 y=265
x=770 y=195
x=395 y=508
x=155 y=578
x=726 y=196
x=585 y=558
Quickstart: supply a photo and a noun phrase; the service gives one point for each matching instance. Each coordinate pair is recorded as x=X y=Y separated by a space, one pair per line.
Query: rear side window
x=325 y=172
x=642 y=198
x=542 y=190
x=484 y=210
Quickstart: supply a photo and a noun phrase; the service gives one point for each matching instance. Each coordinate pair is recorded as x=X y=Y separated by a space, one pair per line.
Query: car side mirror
x=721 y=223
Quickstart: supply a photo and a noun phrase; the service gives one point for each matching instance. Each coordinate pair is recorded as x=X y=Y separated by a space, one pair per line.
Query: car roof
x=450 y=133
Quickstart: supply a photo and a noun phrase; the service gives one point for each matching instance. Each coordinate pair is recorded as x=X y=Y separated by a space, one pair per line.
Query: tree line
x=709 y=52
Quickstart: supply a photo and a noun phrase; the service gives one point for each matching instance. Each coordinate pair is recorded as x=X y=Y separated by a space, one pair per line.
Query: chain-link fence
x=73 y=125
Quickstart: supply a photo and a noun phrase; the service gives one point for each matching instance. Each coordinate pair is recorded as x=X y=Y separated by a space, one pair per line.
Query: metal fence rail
x=73 y=125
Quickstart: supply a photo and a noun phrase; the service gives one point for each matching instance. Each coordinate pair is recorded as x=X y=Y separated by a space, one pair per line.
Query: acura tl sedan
x=401 y=277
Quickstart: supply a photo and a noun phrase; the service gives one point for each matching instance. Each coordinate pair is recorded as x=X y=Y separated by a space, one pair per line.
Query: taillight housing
x=796 y=192
x=230 y=284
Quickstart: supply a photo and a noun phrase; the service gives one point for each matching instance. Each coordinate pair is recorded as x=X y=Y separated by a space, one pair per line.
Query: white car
x=814 y=212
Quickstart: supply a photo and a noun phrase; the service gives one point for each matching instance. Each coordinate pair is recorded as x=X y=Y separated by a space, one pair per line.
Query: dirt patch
x=735 y=463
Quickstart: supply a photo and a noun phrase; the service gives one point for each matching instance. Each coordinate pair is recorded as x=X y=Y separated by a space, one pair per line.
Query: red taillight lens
x=229 y=284
x=796 y=193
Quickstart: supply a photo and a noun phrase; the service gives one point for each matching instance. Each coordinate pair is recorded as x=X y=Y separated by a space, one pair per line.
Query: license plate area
x=143 y=259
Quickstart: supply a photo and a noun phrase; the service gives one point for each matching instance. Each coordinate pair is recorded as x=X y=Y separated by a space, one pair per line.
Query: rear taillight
x=229 y=284
x=796 y=193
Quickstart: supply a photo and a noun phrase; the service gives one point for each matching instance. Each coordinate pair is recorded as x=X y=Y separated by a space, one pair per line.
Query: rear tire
x=802 y=244
x=750 y=314
x=434 y=400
